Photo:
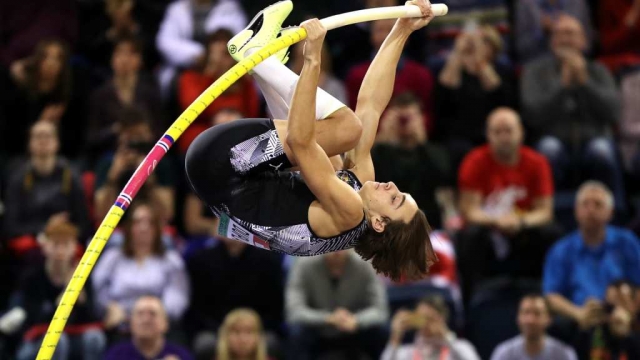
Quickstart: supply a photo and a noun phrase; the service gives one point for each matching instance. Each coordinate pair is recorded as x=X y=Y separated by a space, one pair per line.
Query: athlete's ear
x=378 y=223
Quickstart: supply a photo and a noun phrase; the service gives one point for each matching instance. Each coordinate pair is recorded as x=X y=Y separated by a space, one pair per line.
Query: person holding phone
x=433 y=338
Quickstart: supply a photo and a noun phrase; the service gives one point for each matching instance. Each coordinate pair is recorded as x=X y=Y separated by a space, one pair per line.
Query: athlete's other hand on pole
x=315 y=37
x=414 y=24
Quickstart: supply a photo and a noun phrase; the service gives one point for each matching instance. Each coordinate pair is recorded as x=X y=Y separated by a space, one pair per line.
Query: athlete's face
x=385 y=203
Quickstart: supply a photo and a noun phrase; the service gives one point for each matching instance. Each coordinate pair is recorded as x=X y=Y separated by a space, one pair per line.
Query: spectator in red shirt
x=242 y=95
x=619 y=22
x=410 y=76
x=506 y=200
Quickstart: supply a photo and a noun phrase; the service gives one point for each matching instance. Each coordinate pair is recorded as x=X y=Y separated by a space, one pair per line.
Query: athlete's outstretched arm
x=301 y=127
x=336 y=198
x=377 y=87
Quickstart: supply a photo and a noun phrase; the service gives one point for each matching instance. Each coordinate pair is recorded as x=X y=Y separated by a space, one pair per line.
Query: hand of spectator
x=345 y=320
x=122 y=160
x=122 y=13
x=17 y=70
x=591 y=315
x=480 y=50
x=627 y=295
x=348 y=324
x=414 y=24
x=332 y=320
x=508 y=223
x=53 y=113
x=578 y=66
x=438 y=329
x=574 y=67
x=171 y=357
x=620 y=322
x=400 y=323
x=389 y=127
x=623 y=296
x=115 y=315
x=566 y=77
x=335 y=320
x=463 y=42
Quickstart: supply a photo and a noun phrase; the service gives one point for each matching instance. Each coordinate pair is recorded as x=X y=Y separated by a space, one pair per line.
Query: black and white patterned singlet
x=236 y=170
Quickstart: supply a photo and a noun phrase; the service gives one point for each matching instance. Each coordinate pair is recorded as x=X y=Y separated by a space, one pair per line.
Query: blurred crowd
x=514 y=124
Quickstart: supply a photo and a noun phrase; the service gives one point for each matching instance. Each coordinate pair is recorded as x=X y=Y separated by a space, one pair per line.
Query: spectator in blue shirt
x=580 y=266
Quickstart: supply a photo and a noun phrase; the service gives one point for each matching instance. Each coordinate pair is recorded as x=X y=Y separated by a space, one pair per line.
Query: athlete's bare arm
x=377 y=88
x=340 y=208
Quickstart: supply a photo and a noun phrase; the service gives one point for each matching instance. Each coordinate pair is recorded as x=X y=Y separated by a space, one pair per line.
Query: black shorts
x=233 y=164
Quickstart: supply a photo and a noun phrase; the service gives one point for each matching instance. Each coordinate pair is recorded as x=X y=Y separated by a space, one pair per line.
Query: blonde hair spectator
x=241 y=335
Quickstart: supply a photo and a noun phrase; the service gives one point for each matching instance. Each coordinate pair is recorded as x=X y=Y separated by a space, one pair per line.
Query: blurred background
x=514 y=124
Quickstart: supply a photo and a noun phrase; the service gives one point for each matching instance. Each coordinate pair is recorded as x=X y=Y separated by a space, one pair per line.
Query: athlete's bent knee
x=352 y=126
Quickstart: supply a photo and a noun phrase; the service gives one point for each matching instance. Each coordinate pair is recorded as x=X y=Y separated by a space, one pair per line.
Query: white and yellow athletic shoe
x=283 y=55
x=262 y=29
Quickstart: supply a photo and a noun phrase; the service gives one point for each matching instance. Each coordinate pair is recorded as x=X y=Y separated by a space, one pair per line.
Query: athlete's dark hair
x=402 y=250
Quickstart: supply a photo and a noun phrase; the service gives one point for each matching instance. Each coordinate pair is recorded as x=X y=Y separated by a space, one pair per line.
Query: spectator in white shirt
x=185 y=27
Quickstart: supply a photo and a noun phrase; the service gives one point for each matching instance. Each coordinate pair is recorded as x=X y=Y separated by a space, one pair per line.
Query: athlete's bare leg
x=336 y=134
x=338 y=128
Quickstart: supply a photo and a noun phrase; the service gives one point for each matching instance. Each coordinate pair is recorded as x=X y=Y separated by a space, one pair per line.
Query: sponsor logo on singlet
x=232 y=230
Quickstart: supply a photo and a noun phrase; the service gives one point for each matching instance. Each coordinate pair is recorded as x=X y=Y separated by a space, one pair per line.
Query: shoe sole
x=255 y=26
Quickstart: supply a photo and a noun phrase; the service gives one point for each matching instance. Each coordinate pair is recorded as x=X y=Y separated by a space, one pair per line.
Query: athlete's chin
x=368 y=186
